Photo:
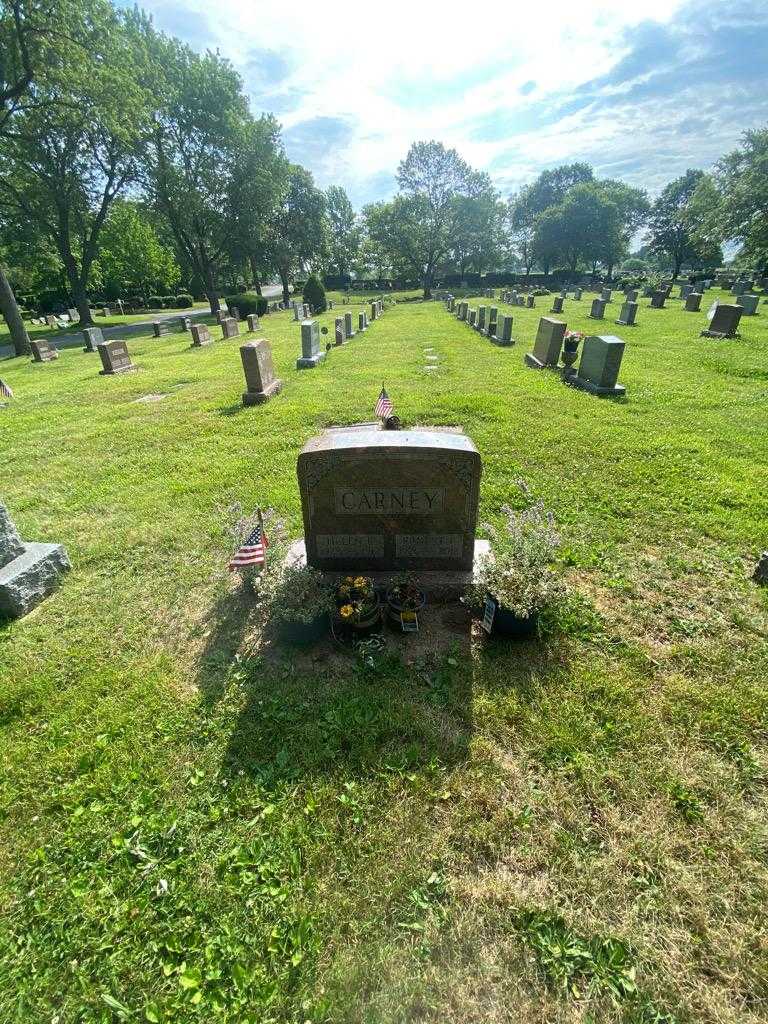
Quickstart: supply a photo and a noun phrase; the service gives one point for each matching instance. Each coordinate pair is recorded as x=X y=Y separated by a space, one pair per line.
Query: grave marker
x=42 y=352
x=557 y=304
x=348 y=329
x=260 y=381
x=597 y=311
x=230 y=328
x=503 y=334
x=29 y=572
x=599 y=366
x=693 y=302
x=724 y=323
x=93 y=338
x=339 y=330
x=159 y=328
x=200 y=335
x=546 y=347
x=627 y=314
x=748 y=303
x=658 y=298
x=311 y=353
x=115 y=358
x=253 y=322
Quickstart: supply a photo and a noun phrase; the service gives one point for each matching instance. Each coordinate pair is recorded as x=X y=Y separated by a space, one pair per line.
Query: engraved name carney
x=410 y=501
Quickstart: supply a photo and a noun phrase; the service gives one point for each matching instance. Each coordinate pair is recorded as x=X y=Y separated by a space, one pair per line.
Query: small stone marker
x=373 y=311
x=658 y=298
x=253 y=322
x=28 y=572
x=93 y=338
x=724 y=323
x=381 y=500
x=472 y=317
x=597 y=312
x=692 y=302
x=311 y=354
x=462 y=311
x=451 y=304
x=546 y=347
x=503 y=334
x=605 y=294
x=631 y=295
x=348 y=328
x=115 y=358
x=361 y=324
x=530 y=301
x=260 y=380
x=159 y=328
x=306 y=310
x=493 y=322
x=577 y=294
x=73 y=314
x=748 y=303
x=557 y=304
x=482 y=314
x=339 y=330
x=106 y=311
x=298 y=312
x=201 y=335
x=51 y=321
x=42 y=351
x=230 y=328
x=599 y=366
x=685 y=290
x=627 y=314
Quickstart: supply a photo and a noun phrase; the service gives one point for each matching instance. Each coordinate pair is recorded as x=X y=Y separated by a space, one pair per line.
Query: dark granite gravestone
x=28 y=572
x=748 y=303
x=362 y=324
x=472 y=317
x=599 y=366
x=503 y=335
x=93 y=338
x=373 y=311
x=451 y=304
x=482 y=316
x=348 y=328
x=311 y=353
x=230 y=328
x=627 y=314
x=605 y=295
x=557 y=304
x=253 y=322
x=493 y=322
x=692 y=302
x=598 y=309
x=260 y=381
x=42 y=352
x=339 y=331
x=389 y=500
x=234 y=313
x=725 y=322
x=159 y=328
x=461 y=312
x=200 y=335
x=546 y=347
x=530 y=301
x=631 y=295
x=577 y=294
x=114 y=358
x=658 y=298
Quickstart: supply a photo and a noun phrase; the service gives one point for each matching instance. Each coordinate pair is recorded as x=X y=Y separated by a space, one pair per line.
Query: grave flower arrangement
x=517 y=577
x=404 y=595
x=571 y=341
x=357 y=604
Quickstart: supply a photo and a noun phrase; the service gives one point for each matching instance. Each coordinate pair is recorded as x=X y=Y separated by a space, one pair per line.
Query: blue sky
x=641 y=93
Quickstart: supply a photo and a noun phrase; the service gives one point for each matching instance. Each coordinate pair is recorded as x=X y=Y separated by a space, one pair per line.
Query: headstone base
x=502 y=344
x=28 y=579
x=535 y=364
x=118 y=369
x=718 y=334
x=306 y=363
x=624 y=323
x=259 y=397
x=438 y=585
x=617 y=391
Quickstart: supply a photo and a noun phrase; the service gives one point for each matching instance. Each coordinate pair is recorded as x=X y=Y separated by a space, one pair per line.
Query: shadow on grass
x=231 y=410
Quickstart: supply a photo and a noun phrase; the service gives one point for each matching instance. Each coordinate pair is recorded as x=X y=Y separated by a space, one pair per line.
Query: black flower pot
x=509 y=626
x=304 y=634
x=395 y=609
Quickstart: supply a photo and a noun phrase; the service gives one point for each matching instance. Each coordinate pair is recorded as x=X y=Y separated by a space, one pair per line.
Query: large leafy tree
x=736 y=207
x=298 y=234
x=343 y=230
x=670 y=232
x=478 y=236
x=132 y=258
x=69 y=154
x=632 y=207
x=582 y=227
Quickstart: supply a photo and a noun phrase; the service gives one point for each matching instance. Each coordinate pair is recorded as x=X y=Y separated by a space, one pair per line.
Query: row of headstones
x=485 y=320
x=311 y=353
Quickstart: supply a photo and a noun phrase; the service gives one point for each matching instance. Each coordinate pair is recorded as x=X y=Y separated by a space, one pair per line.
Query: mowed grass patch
x=573 y=830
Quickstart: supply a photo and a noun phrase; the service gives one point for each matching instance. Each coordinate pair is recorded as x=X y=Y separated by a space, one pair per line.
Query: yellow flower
x=361 y=582
x=346 y=611
x=348 y=580
x=343 y=591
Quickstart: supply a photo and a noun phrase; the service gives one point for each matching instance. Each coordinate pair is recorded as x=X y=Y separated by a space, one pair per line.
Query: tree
x=68 y=155
x=297 y=235
x=551 y=187
x=520 y=224
x=314 y=294
x=132 y=259
x=740 y=213
x=632 y=207
x=344 y=231
x=200 y=118
x=670 y=232
x=478 y=235
x=584 y=226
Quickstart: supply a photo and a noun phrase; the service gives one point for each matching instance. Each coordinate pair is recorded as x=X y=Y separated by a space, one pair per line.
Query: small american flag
x=253 y=551
x=384 y=407
x=5 y=390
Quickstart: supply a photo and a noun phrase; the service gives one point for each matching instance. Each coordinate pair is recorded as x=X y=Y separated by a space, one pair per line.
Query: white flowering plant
x=291 y=592
x=518 y=572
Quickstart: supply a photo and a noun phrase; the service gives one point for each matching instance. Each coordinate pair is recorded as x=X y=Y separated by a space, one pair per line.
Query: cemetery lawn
x=99 y=321
x=194 y=827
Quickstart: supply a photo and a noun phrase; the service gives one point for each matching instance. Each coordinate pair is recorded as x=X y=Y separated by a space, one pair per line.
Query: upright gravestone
x=599 y=366
x=693 y=302
x=451 y=304
x=361 y=323
x=461 y=313
x=51 y=321
x=234 y=313
x=605 y=295
x=42 y=351
x=106 y=311
x=685 y=290
x=73 y=314
x=748 y=303
x=28 y=572
x=503 y=335
x=230 y=328
x=260 y=381
x=657 y=298
x=631 y=295
x=115 y=358
x=627 y=314
x=597 y=312
x=482 y=313
x=557 y=304
x=530 y=301
x=380 y=500
x=298 y=312
x=93 y=338
x=159 y=328
x=200 y=335
x=472 y=317
x=546 y=347
x=311 y=354
x=253 y=322
x=339 y=330
x=724 y=323
x=493 y=322
x=349 y=331
x=374 y=310
x=577 y=294
x=306 y=310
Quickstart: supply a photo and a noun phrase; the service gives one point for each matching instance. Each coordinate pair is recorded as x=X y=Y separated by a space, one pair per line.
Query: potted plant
x=404 y=600
x=297 y=600
x=570 y=351
x=357 y=610
x=515 y=581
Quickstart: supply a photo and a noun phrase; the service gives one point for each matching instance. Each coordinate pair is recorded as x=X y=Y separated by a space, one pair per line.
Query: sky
x=642 y=91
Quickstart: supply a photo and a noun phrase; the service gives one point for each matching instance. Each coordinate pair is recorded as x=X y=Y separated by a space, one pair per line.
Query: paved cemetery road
x=60 y=339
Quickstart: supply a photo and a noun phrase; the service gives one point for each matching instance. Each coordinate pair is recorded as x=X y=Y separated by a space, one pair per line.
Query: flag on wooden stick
x=5 y=389
x=253 y=551
x=384 y=407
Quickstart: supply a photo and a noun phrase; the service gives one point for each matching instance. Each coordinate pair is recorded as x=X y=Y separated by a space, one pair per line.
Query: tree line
x=130 y=164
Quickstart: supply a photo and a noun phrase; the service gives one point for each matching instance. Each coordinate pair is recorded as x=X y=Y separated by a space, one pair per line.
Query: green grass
x=116 y=320
x=195 y=826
